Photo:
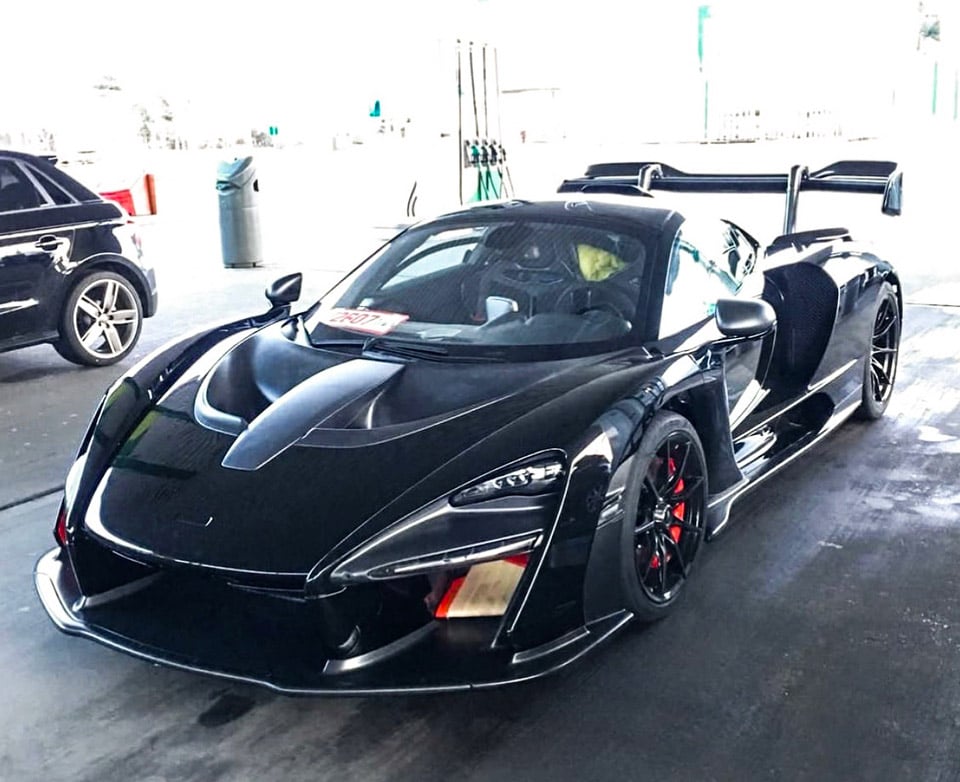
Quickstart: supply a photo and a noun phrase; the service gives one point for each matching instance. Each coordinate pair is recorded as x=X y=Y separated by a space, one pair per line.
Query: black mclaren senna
x=497 y=441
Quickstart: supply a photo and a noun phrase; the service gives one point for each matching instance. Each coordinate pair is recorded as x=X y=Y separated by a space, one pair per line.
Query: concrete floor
x=819 y=639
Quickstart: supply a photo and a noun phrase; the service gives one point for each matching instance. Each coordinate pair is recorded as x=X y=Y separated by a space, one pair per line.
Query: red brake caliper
x=679 y=509
x=677 y=512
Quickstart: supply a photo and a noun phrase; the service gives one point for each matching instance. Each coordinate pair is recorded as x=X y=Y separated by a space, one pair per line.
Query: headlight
x=531 y=479
x=496 y=517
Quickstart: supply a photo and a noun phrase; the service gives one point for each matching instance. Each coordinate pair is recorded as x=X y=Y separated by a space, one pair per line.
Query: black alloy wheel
x=882 y=356
x=665 y=516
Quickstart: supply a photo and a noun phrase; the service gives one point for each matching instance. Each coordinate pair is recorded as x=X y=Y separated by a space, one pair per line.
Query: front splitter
x=174 y=631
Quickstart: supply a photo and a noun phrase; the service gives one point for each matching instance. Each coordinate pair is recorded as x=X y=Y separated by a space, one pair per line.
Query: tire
x=882 y=356
x=101 y=320
x=665 y=516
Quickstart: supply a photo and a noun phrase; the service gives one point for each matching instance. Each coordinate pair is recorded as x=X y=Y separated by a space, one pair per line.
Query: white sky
x=284 y=62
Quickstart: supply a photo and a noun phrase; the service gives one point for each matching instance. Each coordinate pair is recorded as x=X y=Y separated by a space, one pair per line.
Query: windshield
x=504 y=286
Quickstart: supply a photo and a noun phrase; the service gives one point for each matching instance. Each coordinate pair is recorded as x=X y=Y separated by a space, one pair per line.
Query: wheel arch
x=892 y=277
x=603 y=587
x=118 y=265
x=702 y=402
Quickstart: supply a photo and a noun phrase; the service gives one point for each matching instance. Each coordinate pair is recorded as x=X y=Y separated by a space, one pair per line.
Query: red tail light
x=122 y=197
x=60 y=529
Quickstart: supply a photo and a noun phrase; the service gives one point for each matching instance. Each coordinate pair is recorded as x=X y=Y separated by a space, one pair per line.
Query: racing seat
x=532 y=269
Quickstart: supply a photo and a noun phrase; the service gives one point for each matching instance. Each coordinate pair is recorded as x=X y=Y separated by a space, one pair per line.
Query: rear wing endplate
x=874 y=177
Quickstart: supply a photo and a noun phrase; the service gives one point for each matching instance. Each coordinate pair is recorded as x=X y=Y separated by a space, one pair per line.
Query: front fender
x=130 y=397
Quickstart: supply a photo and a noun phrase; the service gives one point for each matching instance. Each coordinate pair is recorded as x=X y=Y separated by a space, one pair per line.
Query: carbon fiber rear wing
x=875 y=177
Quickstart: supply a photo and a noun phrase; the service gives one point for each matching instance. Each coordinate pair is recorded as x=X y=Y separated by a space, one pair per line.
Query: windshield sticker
x=367 y=321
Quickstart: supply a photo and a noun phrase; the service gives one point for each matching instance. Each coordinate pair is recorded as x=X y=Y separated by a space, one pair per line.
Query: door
x=33 y=248
x=713 y=259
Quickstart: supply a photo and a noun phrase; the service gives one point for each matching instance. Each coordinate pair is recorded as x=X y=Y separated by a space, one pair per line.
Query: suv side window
x=57 y=194
x=17 y=192
x=704 y=266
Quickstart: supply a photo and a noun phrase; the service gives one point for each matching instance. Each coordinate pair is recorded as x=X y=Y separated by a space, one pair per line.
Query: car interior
x=520 y=284
x=16 y=191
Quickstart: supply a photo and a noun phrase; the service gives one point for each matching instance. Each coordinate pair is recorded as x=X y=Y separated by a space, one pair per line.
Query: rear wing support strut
x=794 y=183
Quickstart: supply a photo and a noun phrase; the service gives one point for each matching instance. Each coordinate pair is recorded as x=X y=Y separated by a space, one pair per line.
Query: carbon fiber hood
x=341 y=447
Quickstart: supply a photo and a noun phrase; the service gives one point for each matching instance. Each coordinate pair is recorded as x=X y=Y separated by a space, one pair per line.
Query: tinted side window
x=432 y=260
x=68 y=183
x=699 y=273
x=57 y=194
x=16 y=190
x=740 y=253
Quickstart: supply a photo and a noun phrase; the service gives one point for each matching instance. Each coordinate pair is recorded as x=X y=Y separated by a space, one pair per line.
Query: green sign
x=703 y=13
x=375 y=111
x=273 y=131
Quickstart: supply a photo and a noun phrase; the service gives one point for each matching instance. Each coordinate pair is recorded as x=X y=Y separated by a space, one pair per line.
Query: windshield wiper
x=410 y=349
x=400 y=348
x=374 y=344
x=343 y=344
x=405 y=349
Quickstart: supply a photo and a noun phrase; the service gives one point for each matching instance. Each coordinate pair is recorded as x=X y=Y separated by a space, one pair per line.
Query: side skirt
x=718 y=509
x=29 y=341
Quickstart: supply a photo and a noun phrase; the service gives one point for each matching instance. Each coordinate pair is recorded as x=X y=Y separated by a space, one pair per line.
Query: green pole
x=703 y=13
x=936 y=70
x=956 y=92
x=706 y=109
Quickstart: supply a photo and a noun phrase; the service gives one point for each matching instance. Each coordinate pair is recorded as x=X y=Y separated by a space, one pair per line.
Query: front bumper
x=152 y=300
x=212 y=628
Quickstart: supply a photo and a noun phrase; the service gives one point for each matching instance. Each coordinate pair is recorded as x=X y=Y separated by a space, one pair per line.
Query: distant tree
x=107 y=83
x=929 y=26
x=146 y=129
x=47 y=140
x=168 y=131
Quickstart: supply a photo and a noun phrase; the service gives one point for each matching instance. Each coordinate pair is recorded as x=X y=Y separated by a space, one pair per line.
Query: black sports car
x=72 y=271
x=497 y=441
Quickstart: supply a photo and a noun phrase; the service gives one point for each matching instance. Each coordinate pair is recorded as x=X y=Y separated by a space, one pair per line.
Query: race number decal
x=367 y=321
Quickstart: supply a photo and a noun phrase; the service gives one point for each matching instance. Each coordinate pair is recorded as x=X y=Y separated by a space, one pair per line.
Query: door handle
x=48 y=243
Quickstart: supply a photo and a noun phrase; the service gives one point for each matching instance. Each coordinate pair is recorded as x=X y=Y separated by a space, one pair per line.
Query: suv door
x=35 y=242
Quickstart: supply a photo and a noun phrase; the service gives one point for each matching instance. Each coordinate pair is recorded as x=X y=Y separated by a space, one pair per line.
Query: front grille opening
x=482 y=590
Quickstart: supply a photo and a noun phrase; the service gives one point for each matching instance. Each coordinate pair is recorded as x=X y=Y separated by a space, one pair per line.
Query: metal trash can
x=238 y=190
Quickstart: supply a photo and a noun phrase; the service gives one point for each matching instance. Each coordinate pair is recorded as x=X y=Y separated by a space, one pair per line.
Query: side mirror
x=284 y=290
x=893 y=194
x=744 y=317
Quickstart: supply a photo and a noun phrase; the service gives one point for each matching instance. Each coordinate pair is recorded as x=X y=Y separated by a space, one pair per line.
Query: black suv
x=71 y=267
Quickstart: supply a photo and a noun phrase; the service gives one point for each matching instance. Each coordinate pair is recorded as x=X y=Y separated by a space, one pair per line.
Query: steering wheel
x=518 y=275
x=521 y=282
x=581 y=298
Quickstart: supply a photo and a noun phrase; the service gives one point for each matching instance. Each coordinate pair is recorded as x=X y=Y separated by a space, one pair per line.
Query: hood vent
x=305 y=406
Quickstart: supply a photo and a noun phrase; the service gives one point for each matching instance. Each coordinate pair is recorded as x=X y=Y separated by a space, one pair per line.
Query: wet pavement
x=819 y=638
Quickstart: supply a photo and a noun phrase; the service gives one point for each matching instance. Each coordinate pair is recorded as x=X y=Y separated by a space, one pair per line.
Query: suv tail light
x=122 y=197
x=60 y=528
